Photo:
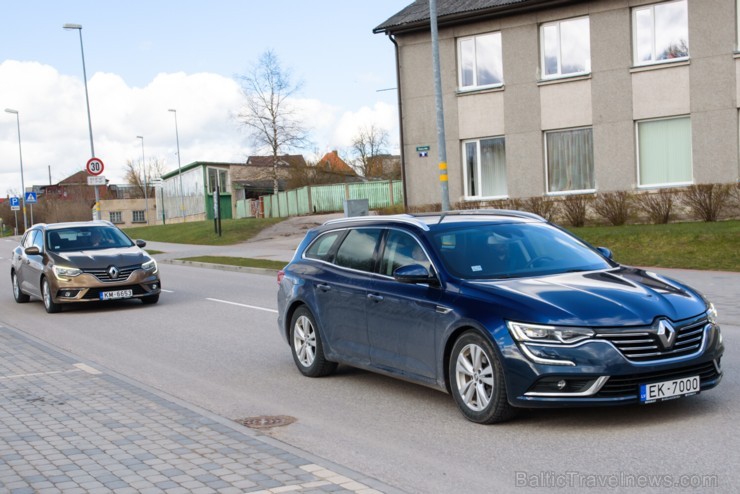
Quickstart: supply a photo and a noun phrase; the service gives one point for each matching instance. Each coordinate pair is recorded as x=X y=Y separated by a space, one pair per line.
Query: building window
x=566 y=48
x=570 y=160
x=218 y=176
x=139 y=217
x=115 y=217
x=664 y=148
x=661 y=32
x=485 y=167
x=479 y=60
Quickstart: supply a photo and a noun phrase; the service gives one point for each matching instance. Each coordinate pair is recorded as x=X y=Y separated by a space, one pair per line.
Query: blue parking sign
x=31 y=197
x=15 y=202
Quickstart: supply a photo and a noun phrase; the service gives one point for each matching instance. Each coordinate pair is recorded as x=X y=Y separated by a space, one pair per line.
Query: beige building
x=547 y=98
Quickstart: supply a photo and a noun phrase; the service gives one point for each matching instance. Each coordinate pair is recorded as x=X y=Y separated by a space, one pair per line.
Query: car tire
x=306 y=345
x=477 y=380
x=49 y=304
x=18 y=295
x=151 y=299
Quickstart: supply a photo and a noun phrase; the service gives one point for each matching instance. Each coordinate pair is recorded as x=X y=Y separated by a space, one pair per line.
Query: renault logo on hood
x=666 y=333
x=113 y=272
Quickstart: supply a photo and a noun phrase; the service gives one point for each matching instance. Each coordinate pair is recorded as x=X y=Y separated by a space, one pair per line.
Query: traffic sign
x=94 y=166
x=31 y=198
x=96 y=180
x=15 y=202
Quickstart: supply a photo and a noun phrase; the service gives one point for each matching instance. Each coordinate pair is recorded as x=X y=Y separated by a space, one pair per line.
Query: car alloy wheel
x=18 y=295
x=477 y=380
x=306 y=346
x=49 y=304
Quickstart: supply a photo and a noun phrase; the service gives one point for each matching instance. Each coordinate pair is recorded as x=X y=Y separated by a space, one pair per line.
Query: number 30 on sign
x=94 y=166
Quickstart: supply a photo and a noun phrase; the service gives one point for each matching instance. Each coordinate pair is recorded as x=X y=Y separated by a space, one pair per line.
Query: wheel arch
x=450 y=343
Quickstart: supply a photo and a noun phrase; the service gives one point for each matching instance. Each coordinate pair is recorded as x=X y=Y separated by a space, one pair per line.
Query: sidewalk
x=66 y=427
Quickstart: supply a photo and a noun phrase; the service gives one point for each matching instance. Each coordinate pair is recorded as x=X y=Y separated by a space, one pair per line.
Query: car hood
x=619 y=297
x=101 y=258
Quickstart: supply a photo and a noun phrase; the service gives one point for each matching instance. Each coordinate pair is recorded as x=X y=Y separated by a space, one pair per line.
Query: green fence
x=330 y=198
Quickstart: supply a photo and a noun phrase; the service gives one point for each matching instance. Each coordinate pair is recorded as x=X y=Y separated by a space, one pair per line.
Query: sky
x=145 y=57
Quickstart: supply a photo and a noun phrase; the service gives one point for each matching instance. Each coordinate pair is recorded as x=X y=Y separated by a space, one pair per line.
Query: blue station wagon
x=501 y=309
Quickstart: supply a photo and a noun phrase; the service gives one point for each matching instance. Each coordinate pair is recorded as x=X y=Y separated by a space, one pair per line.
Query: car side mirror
x=605 y=252
x=140 y=243
x=32 y=250
x=414 y=273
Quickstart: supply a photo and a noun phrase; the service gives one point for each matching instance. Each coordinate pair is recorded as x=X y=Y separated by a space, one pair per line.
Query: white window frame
x=547 y=163
x=498 y=62
x=116 y=217
x=560 y=74
x=223 y=187
x=479 y=172
x=635 y=42
x=141 y=213
x=640 y=185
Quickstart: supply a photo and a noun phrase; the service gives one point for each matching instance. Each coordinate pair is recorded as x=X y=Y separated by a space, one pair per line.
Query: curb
x=222 y=267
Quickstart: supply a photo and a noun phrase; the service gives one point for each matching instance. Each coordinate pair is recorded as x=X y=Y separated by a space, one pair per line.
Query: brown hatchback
x=85 y=261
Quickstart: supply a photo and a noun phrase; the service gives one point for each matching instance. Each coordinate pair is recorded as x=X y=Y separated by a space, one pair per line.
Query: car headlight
x=712 y=313
x=150 y=265
x=535 y=333
x=65 y=272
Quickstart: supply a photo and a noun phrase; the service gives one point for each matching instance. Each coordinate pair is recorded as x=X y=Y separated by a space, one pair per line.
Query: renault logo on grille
x=113 y=272
x=666 y=333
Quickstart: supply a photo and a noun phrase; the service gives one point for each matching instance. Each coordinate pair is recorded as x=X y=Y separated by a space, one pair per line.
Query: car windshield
x=513 y=250
x=86 y=238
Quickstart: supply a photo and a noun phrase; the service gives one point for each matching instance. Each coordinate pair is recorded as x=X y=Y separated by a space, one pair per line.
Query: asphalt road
x=212 y=341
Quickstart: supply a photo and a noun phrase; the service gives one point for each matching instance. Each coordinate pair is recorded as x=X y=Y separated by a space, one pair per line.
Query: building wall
x=610 y=99
x=126 y=208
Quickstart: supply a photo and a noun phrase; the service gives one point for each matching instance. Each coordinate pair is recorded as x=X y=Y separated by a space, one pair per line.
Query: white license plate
x=668 y=390
x=116 y=294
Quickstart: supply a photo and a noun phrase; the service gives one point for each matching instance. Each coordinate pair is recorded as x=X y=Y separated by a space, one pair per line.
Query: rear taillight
x=281 y=275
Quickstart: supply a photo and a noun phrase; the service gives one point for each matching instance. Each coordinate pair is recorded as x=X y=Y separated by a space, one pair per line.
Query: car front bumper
x=599 y=374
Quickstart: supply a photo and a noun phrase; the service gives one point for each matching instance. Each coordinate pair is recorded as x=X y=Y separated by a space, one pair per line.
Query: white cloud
x=54 y=127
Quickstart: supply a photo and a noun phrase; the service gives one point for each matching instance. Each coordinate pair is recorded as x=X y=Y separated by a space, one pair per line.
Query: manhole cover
x=266 y=421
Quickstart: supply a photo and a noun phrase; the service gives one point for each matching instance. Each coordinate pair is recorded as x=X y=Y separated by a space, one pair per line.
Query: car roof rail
x=490 y=212
x=401 y=218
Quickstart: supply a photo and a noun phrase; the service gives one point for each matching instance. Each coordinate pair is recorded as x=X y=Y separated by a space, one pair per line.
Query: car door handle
x=323 y=287
x=374 y=298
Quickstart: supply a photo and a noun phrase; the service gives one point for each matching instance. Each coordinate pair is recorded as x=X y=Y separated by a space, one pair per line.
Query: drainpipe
x=400 y=120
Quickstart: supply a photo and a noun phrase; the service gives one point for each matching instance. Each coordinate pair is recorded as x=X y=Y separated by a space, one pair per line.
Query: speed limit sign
x=94 y=166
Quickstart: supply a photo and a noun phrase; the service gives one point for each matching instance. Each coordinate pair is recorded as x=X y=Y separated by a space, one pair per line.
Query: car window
x=321 y=247
x=401 y=249
x=358 y=249
x=86 y=238
x=38 y=240
x=27 y=240
x=514 y=250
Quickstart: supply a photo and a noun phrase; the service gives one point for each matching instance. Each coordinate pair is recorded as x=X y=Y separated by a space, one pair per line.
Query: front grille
x=123 y=273
x=626 y=386
x=644 y=345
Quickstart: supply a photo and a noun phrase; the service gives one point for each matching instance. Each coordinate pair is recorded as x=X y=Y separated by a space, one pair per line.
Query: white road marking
x=242 y=305
x=168 y=291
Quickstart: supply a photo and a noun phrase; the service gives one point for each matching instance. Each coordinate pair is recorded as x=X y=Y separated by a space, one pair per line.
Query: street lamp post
x=20 y=153
x=78 y=27
x=179 y=167
x=146 y=192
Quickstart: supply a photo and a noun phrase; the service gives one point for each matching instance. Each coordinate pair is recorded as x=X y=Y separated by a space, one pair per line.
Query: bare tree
x=138 y=174
x=368 y=143
x=272 y=122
